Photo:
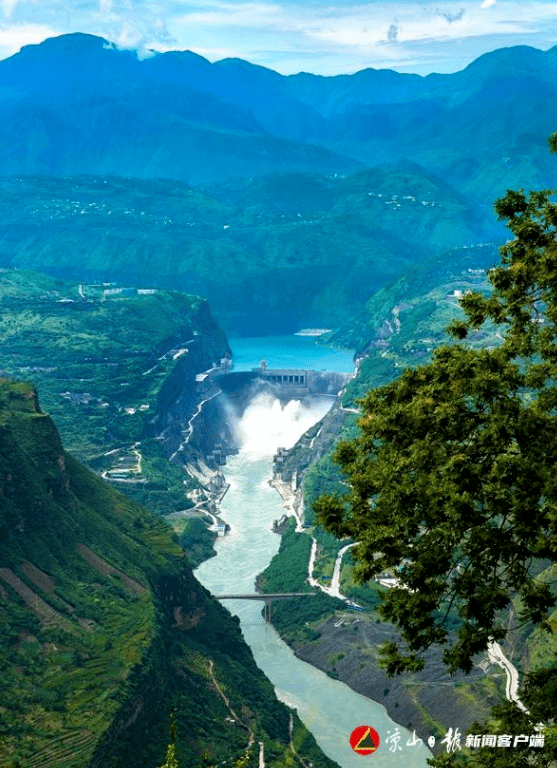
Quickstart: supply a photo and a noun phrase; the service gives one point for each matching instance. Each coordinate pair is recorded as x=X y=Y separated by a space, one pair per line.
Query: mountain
x=117 y=370
x=105 y=630
x=272 y=253
x=421 y=300
x=483 y=129
x=76 y=104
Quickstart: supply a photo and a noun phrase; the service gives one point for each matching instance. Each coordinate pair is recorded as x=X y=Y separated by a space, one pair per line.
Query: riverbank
x=430 y=702
x=341 y=643
x=329 y=709
x=345 y=644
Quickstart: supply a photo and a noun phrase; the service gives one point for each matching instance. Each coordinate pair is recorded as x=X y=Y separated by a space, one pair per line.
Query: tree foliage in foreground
x=453 y=483
x=453 y=477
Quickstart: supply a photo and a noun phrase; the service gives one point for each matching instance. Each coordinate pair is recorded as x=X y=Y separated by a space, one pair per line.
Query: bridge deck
x=269 y=596
x=268 y=599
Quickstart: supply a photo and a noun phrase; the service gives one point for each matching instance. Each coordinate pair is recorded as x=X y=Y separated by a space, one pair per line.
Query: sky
x=318 y=36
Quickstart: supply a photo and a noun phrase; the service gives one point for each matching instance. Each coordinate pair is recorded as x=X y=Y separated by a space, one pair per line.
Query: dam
x=286 y=384
x=299 y=371
x=237 y=390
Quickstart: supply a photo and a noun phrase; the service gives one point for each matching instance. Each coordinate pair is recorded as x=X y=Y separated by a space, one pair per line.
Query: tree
x=453 y=477
x=171 y=761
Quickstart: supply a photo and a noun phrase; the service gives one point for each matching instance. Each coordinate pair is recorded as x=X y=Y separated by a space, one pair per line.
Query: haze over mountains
x=75 y=104
x=286 y=200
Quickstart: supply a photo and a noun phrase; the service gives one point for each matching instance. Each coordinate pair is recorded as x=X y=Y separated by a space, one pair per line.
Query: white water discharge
x=329 y=708
x=267 y=425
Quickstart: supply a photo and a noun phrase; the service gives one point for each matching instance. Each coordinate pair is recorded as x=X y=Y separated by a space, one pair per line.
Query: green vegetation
x=109 y=363
x=451 y=479
x=243 y=243
x=402 y=324
x=196 y=539
x=76 y=628
x=475 y=463
x=296 y=618
x=367 y=594
x=322 y=477
x=408 y=317
x=327 y=548
x=105 y=631
x=287 y=572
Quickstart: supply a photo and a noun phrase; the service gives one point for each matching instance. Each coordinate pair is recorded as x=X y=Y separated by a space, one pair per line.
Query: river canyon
x=330 y=709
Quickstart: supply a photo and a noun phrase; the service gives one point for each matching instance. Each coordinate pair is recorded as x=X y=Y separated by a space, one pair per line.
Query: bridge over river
x=268 y=598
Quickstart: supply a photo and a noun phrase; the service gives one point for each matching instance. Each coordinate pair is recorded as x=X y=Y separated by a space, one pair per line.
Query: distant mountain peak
x=73 y=40
x=186 y=56
x=521 y=56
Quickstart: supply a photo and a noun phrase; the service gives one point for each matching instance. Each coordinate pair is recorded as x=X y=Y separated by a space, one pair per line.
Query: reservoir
x=289 y=352
x=330 y=709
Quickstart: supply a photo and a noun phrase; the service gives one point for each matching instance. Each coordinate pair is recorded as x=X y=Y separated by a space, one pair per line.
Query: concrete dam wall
x=214 y=429
x=286 y=384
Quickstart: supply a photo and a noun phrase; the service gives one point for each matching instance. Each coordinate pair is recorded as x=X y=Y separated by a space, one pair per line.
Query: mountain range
x=77 y=104
x=272 y=254
x=360 y=202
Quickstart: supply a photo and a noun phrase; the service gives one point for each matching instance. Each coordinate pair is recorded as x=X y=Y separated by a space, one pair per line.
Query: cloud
x=16 y=36
x=138 y=26
x=322 y=36
x=8 y=6
x=454 y=16
x=392 y=34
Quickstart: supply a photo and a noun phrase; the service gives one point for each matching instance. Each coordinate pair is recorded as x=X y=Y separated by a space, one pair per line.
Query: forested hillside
x=114 y=366
x=105 y=631
x=271 y=254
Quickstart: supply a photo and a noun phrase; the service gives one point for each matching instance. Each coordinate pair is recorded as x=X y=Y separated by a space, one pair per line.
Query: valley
x=269 y=263
x=134 y=469
x=225 y=369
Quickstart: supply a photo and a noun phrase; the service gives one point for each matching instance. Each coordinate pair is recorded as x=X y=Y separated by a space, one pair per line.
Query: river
x=330 y=709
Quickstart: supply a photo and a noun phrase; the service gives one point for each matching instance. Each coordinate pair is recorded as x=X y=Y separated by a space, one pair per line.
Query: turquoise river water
x=330 y=709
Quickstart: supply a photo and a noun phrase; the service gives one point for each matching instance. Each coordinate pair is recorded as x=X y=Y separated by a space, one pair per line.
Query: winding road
x=189 y=430
x=334 y=589
x=496 y=656
x=494 y=651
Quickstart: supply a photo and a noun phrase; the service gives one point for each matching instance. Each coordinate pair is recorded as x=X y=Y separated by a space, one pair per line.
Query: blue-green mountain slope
x=75 y=104
x=272 y=254
x=483 y=129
